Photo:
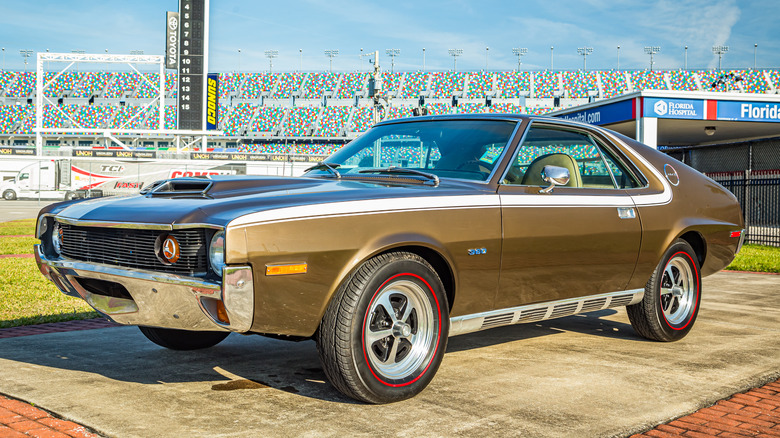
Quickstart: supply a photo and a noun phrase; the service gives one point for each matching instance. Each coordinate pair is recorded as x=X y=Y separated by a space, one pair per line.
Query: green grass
x=15 y=228
x=17 y=245
x=757 y=258
x=28 y=298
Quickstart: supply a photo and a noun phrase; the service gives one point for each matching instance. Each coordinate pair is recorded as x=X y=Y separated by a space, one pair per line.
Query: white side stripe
x=366 y=207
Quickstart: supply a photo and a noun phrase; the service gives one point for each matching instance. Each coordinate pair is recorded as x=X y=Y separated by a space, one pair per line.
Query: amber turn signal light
x=297 y=268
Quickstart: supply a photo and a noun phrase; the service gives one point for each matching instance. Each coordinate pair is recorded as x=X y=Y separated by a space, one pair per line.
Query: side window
x=589 y=164
x=24 y=176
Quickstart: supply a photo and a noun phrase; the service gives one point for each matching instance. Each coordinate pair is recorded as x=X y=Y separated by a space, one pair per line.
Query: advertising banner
x=748 y=111
x=171 y=40
x=212 y=101
x=603 y=115
x=673 y=108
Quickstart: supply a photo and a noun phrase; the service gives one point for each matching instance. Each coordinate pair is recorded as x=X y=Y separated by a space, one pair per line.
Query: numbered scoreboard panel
x=192 y=35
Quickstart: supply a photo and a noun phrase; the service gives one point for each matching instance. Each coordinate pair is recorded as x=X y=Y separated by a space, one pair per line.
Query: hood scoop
x=184 y=187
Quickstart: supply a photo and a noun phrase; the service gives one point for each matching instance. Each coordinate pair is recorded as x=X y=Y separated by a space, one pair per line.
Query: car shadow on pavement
x=240 y=362
x=593 y=323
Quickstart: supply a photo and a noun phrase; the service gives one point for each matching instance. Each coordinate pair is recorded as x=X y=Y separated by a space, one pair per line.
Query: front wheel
x=385 y=331
x=9 y=195
x=183 y=339
x=672 y=296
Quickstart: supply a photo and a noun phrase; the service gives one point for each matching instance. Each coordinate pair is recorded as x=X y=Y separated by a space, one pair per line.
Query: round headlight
x=217 y=252
x=56 y=238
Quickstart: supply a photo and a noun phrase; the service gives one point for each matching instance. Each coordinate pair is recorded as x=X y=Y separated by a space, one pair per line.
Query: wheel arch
x=697 y=242
x=437 y=261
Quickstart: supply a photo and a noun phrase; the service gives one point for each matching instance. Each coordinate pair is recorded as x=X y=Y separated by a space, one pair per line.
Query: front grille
x=134 y=248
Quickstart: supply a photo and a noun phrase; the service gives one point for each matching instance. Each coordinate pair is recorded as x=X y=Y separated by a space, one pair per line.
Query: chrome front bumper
x=158 y=299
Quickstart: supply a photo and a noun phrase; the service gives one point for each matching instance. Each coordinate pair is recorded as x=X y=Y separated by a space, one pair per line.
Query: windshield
x=465 y=149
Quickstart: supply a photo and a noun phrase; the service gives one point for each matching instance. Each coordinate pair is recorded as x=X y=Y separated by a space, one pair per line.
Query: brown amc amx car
x=418 y=230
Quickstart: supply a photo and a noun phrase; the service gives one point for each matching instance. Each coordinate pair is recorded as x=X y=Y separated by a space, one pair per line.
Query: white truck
x=73 y=178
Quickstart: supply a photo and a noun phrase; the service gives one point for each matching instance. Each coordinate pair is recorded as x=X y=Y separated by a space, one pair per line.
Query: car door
x=578 y=239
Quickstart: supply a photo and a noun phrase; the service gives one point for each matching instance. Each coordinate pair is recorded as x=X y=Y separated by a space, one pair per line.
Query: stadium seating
x=237 y=119
x=300 y=121
x=278 y=117
x=318 y=85
x=578 y=83
x=545 y=84
x=288 y=84
x=445 y=84
x=682 y=80
x=511 y=83
x=333 y=121
x=480 y=84
x=23 y=86
x=613 y=83
x=391 y=82
x=414 y=85
x=256 y=85
x=648 y=80
x=351 y=84
x=269 y=119
x=362 y=119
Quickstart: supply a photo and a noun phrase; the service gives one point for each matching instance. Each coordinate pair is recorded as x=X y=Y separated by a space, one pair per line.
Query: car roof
x=489 y=116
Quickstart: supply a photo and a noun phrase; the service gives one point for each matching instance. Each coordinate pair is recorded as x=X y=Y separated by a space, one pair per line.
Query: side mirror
x=556 y=176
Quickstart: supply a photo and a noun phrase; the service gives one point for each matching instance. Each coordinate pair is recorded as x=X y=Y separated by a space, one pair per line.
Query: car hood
x=230 y=197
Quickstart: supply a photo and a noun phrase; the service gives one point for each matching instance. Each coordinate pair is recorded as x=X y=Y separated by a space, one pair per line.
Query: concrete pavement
x=20 y=209
x=587 y=375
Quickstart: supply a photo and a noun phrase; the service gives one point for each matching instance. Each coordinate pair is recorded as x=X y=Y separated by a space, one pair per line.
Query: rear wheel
x=183 y=339
x=384 y=333
x=672 y=296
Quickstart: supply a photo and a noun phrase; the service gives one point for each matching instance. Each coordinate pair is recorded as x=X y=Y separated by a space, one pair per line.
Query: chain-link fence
x=750 y=170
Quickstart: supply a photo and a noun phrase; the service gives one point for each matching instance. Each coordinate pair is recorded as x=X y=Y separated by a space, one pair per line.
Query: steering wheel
x=474 y=166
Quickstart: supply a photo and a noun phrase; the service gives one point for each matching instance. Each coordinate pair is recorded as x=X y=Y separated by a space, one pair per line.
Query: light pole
x=361 y=59
x=487 y=49
x=585 y=51
x=455 y=53
x=3 y=58
x=618 y=51
x=25 y=54
x=652 y=50
x=720 y=51
x=392 y=53
x=271 y=54
x=331 y=54
x=685 y=62
x=300 y=60
x=423 y=58
x=551 y=58
x=755 y=50
x=239 y=61
x=519 y=52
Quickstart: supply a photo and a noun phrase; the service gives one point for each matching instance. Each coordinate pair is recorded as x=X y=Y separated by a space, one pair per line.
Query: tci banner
x=602 y=115
x=748 y=111
x=673 y=108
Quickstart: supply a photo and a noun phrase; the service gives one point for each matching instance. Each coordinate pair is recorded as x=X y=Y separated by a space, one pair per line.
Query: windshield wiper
x=401 y=170
x=330 y=167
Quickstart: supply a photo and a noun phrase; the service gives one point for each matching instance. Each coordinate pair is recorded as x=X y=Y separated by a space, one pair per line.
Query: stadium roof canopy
x=684 y=118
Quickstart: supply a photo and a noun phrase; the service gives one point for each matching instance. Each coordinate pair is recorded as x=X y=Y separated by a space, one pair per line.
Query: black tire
x=9 y=195
x=672 y=296
x=397 y=366
x=69 y=196
x=183 y=339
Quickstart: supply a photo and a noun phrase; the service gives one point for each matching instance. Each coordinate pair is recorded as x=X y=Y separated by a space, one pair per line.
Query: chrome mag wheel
x=399 y=330
x=678 y=290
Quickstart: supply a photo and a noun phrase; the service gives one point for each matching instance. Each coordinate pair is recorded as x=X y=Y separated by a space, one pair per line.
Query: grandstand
x=331 y=105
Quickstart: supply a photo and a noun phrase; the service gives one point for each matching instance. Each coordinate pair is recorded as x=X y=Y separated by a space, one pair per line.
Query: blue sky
x=349 y=25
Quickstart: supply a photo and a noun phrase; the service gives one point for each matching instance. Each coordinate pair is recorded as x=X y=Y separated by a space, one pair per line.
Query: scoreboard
x=192 y=63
